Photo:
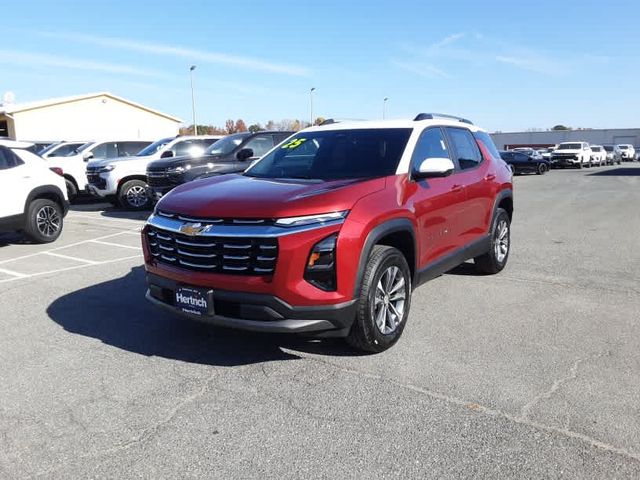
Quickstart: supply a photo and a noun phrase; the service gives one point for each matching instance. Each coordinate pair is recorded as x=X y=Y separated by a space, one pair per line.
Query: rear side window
x=129 y=149
x=466 y=149
x=8 y=159
x=487 y=142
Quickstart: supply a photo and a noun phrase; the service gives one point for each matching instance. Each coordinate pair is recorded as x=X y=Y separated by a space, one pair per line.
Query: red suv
x=329 y=233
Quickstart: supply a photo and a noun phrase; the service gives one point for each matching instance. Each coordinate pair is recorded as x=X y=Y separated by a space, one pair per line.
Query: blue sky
x=506 y=65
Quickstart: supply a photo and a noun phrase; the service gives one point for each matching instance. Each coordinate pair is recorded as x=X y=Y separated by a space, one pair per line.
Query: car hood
x=114 y=161
x=568 y=151
x=163 y=163
x=239 y=196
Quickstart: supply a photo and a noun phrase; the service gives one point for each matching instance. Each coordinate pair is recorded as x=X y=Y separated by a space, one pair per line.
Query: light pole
x=384 y=107
x=311 y=102
x=193 y=100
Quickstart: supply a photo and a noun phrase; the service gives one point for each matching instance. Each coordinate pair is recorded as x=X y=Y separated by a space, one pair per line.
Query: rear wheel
x=542 y=169
x=496 y=258
x=133 y=195
x=44 y=220
x=383 y=302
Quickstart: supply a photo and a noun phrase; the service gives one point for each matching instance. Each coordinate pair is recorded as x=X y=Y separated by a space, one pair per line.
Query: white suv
x=572 y=154
x=627 y=152
x=74 y=166
x=33 y=198
x=123 y=181
x=598 y=155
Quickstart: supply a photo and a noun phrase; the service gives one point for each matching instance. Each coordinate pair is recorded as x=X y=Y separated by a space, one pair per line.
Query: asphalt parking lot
x=530 y=373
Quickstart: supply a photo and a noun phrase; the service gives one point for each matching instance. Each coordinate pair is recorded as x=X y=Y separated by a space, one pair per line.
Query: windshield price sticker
x=295 y=143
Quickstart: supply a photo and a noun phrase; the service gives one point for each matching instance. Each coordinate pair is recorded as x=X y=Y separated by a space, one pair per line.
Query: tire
x=579 y=165
x=384 y=263
x=44 y=221
x=542 y=169
x=133 y=195
x=496 y=258
x=72 y=190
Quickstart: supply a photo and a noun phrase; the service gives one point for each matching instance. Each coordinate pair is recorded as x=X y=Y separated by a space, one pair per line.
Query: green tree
x=256 y=127
x=561 y=127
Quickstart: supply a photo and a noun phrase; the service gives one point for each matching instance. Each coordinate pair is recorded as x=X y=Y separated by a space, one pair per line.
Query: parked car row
x=567 y=154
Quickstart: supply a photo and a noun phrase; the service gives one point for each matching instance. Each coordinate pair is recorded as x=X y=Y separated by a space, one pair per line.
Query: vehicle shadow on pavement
x=618 y=172
x=116 y=313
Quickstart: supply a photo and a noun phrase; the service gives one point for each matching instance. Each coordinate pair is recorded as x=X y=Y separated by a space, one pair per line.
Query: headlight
x=107 y=168
x=321 y=264
x=310 y=219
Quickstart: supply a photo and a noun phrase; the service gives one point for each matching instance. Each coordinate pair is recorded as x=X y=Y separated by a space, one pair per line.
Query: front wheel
x=542 y=169
x=496 y=258
x=133 y=195
x=44 y=221
x=383 y=302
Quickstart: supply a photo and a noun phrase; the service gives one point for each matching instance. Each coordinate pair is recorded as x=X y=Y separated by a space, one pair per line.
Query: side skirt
x=437 y=268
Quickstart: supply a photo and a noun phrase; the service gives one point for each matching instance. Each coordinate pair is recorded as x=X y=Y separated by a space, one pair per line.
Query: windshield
x=570 y=146
x=335 y=155
x=608 y=148
x=227 y=144
x=154 y=147
x=622 y=147
x=595 y=149
x=82 y=148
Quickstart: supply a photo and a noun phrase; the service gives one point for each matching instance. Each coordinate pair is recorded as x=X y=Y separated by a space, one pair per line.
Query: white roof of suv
x=421 y=123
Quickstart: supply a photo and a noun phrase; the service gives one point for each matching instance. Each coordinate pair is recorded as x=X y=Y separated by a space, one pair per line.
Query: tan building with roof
x=85 y=117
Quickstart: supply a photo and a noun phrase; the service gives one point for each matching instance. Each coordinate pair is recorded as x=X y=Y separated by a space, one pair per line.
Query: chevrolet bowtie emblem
x=193 y=229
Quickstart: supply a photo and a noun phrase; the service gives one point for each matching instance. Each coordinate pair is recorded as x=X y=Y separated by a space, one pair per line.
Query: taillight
x=57 y=170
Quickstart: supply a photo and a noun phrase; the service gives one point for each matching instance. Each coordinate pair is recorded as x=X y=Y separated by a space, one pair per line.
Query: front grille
x=96 y=180
x=231 y=255
x=564 y=156
x=159 y=180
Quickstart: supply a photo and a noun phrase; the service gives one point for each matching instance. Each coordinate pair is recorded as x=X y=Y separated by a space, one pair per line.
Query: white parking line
x=115 y=244
x=106 y=219
x=66 y=246
x=75 y=259
x=12 y=273
x=66 y=269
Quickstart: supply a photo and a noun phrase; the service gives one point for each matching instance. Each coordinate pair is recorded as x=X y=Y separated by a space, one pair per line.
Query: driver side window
x=431 y=144
x=260 y=145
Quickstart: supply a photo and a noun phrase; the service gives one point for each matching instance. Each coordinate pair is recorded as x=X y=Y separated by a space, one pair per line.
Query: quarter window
x=8 y=159
x=466 y=149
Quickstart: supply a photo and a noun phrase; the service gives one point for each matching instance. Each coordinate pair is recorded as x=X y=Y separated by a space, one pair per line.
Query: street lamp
x=193 y=100
x=384 y=107
x=311 y=102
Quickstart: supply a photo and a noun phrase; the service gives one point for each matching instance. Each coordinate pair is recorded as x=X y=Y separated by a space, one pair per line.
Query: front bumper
x=257 y=312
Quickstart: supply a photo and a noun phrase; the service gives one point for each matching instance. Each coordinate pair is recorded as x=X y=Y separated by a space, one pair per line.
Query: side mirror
x=166 y=154
x=434 y=167
x=244 y=154
x=87 y=156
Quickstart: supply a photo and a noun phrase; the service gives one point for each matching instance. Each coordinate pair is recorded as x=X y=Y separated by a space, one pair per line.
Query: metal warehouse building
x=553 y=137
x=85 y=117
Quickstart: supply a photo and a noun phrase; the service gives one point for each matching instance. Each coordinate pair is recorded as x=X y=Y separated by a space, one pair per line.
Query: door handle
x=457 y=188
x=490 y=177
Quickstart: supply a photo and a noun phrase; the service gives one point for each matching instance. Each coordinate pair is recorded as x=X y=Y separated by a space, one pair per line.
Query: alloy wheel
x=137 y=196
x=389 y=300
x=48 y=221
x=501 y=241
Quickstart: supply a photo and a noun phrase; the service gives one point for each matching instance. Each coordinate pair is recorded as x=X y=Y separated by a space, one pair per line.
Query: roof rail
x=431 y=116
x=328 y=121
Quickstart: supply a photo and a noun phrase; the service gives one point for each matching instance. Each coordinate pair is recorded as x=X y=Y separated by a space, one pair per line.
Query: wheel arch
x=124 y=180
x=504 y=200
x=398 y=233
x=50 y=192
